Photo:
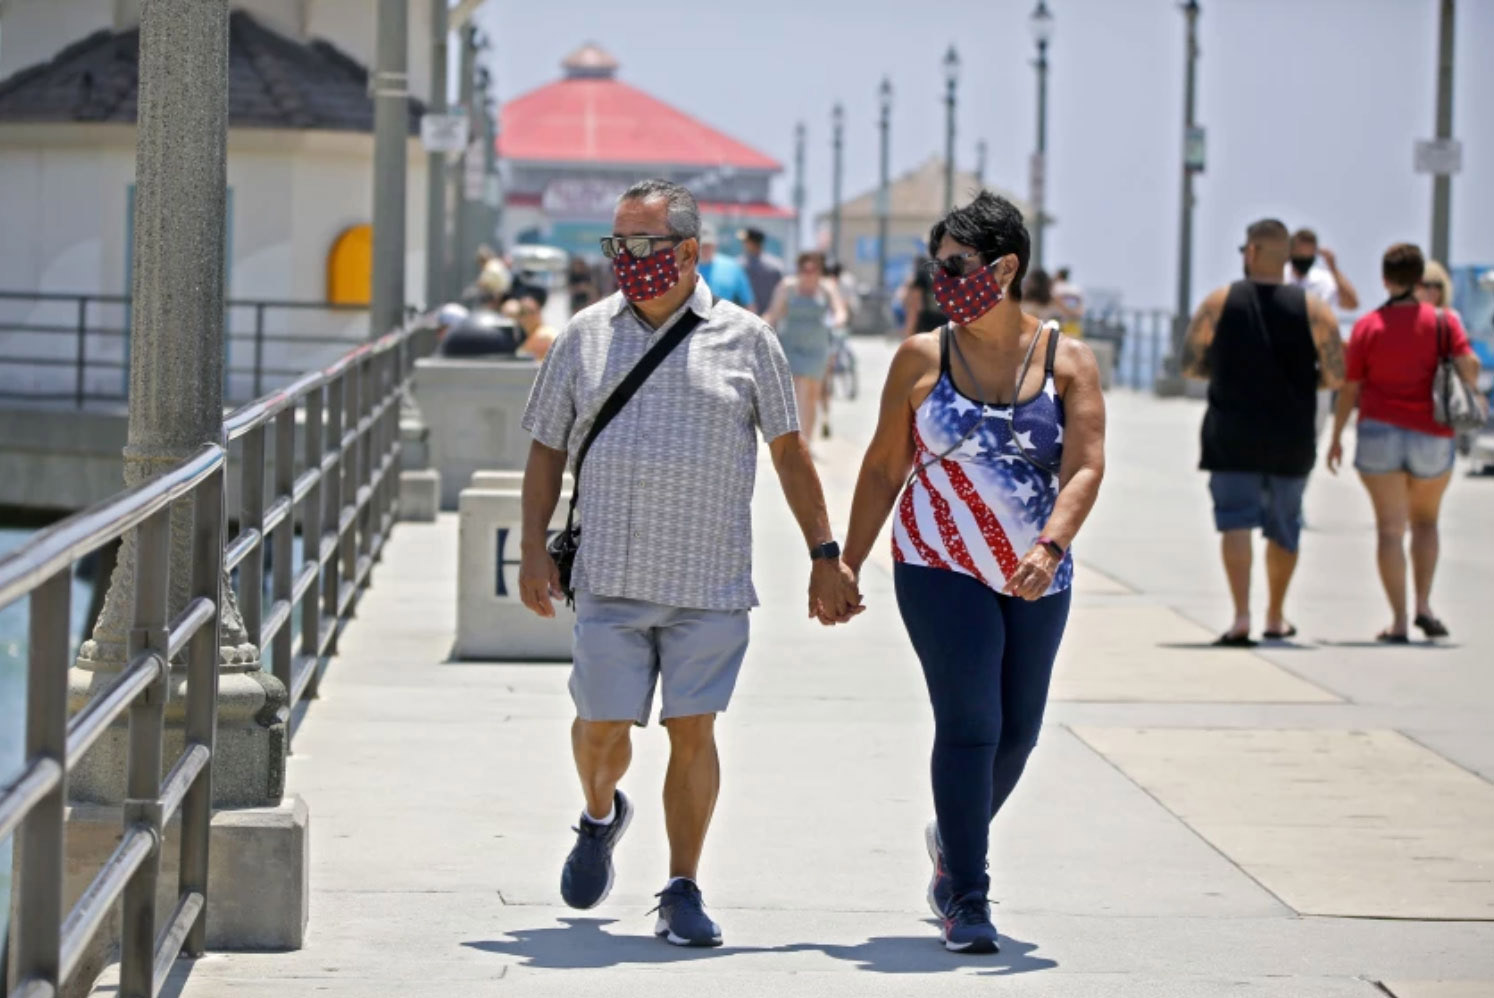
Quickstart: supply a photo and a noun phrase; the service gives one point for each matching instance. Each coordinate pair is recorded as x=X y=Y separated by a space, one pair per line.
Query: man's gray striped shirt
x=666 y=491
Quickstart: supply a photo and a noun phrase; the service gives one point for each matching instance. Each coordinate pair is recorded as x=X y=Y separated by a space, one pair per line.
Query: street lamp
x=980 y=162
x=951 y=80
x=1041 y=25
x=884 y=124
x=798 y=189
x=837 y=126
x=1192 y=163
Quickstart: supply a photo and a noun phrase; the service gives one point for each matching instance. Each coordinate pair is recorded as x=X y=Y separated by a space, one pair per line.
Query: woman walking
x=1001 y=423
x=803 y=312
x=1403 y=455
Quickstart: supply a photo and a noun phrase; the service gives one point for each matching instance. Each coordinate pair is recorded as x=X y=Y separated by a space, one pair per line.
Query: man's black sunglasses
x=637 y=247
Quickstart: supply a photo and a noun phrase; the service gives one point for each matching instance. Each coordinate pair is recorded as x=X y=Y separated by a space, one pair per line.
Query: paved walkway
x=1302 y=822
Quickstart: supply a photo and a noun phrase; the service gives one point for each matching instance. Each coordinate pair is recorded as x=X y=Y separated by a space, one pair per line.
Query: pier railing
x=342 y=491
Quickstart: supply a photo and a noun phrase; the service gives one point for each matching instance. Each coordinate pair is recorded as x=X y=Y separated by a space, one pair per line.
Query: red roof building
x=567 y=149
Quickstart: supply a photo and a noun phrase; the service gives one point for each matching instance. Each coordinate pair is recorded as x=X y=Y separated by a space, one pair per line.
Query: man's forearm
x=543 y=478
x=801 y=487
x=1348 y=298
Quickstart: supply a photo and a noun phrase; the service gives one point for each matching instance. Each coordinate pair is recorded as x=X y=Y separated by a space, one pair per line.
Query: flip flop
x=1431 y=626
x=1290 y=632
x=1385 y=637
x=1234 y=641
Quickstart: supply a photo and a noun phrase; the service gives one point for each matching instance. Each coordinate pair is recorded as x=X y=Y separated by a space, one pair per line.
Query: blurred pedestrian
x=537 y=335
x=764 y=270
x=991 y=444
x=1070 y=296
x=1435 y=287
x=1264 y=347
x=920 y=309
x=837 y=276
x=803 y=312
x=721 y=273
x=580 y=283
x=1314 y=269
x=1403 y=455
x=1037 y=297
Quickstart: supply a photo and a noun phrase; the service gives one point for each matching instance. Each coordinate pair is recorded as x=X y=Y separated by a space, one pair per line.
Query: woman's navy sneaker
x=587 y=878
x=682 y=917
x=967 y=925
x=941 y=890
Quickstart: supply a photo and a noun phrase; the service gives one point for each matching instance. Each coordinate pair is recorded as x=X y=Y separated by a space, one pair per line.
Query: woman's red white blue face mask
x=965 y=299
x=644 y=278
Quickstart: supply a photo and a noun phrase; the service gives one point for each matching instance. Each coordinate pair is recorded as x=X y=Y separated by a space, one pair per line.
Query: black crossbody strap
x=627 y=388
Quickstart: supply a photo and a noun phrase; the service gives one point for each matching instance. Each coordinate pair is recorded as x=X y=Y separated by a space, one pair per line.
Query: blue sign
x=903 y=247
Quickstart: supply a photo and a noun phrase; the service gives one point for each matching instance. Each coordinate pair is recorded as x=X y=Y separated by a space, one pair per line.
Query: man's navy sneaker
x=941 y=890
x=682 y=917
x=587 y=878
x=967 y=925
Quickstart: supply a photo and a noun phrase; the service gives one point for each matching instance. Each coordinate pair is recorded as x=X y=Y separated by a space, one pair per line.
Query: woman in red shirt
x=1403 y=455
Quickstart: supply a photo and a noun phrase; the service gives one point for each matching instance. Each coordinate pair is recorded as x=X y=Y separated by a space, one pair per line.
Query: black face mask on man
x=1302 y=264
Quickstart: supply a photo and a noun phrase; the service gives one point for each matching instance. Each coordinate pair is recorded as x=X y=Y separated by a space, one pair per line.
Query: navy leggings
x=987 y=659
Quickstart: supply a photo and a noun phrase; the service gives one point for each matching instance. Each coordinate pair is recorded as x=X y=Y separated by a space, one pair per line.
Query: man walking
x=721 y=273
x=1264 y=347
x=763 y=271
x=663 y=577
x=1315 y=270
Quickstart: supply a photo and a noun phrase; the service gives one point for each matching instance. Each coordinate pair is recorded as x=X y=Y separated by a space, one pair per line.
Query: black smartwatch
x=828 y=551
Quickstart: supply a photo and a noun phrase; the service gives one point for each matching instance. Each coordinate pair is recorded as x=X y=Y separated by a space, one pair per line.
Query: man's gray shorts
x=623 y=647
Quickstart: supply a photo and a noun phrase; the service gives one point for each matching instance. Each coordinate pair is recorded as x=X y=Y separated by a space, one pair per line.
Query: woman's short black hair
x=993 y=227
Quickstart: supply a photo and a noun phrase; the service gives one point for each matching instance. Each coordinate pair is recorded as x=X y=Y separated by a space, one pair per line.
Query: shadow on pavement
x=580 y=943
x=924 y=955
x=1385 y=645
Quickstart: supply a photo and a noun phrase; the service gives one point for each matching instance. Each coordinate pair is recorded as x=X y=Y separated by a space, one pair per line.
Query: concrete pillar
x=391 y=136
x=176 y=393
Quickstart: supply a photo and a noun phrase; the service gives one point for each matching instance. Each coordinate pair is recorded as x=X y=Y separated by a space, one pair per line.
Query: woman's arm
x=1348 y=398
x=1079 y=475
x=1468 y=366
x=774 y=315
x=838 y=314
x=889 y=457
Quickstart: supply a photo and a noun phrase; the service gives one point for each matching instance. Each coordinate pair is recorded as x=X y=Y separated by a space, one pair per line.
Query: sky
x=1312 y=108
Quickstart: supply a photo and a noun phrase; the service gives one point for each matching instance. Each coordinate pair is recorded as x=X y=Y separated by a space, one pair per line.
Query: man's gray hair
x=684 y=213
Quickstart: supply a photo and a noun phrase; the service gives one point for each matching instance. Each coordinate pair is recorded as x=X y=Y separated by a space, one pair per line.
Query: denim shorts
x=1383 y=448
x=1244 y=500
x=624 y=649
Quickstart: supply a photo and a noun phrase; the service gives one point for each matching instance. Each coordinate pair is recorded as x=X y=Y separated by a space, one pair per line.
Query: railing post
x=367 y=434
x=348 y=538
x=331 y=574
x=38 y=933
x=252 y=517
x=208 y=536
x=259 y=348
x=143 y=770
x=311 y=538
x=79 y=380
x=282 y=552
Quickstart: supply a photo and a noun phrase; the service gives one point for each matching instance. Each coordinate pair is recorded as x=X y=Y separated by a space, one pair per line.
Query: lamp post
x=980 y=162
x=837 y=145
x=884 y=206
x=435 y=166
x=391 y=132
x=951 y=81
x=1442 y=183
x=798 y=189
x=1041 y=24
x=1185 y=224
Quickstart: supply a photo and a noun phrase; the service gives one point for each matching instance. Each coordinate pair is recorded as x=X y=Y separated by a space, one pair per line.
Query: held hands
x=1034 y=574
x=539 y=581
x=1335 y=455
x=834 y=593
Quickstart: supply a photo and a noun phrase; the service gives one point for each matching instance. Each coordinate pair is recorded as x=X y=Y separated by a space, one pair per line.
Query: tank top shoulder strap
x=1052 y=354
x=944 y=349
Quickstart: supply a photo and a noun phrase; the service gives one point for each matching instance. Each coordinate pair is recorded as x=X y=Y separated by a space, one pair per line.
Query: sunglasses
x=956 y=266
x=1434 y=285
x=637 y=247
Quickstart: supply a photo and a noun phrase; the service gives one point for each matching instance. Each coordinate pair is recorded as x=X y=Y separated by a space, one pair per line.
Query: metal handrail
x=344 y=498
